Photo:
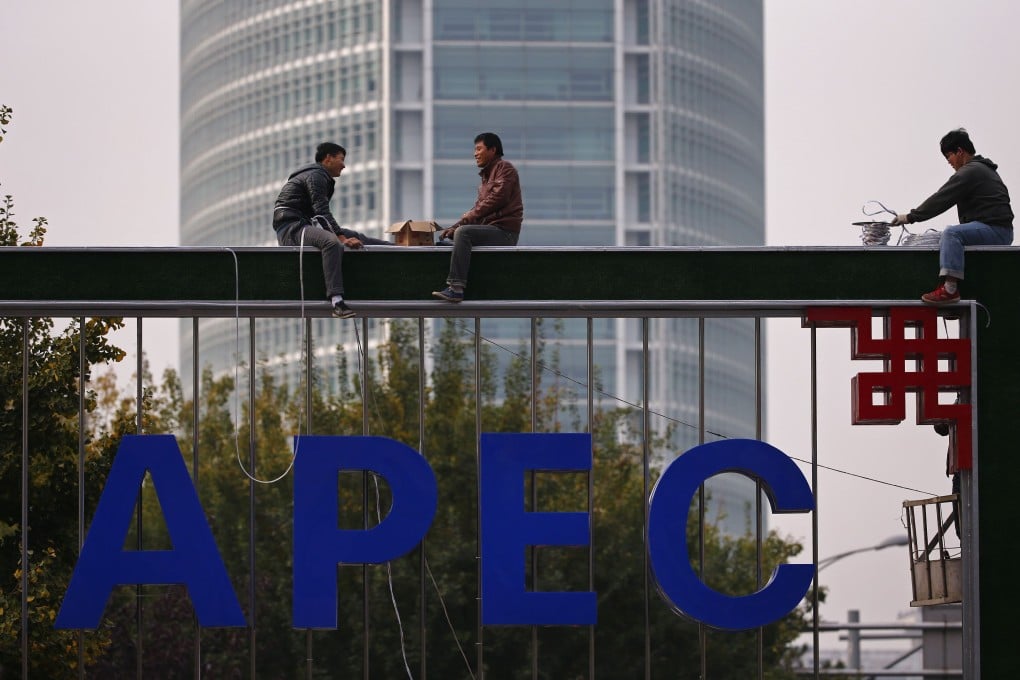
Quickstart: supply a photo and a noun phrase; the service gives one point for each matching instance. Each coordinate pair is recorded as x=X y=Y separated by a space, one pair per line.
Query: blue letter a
x=194 y=560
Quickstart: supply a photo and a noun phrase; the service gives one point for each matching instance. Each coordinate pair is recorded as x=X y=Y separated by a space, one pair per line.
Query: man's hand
x=447 y=233
x=900 y=220
x=353 y=243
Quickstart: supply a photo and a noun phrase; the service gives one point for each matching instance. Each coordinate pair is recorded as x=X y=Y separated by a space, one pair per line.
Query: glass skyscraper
x=631 y=122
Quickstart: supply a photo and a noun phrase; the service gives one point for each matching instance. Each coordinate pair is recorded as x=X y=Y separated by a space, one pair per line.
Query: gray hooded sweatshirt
x=977 y=192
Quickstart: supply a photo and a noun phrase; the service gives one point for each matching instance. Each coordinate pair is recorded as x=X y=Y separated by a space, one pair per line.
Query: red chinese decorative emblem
x=899 y=353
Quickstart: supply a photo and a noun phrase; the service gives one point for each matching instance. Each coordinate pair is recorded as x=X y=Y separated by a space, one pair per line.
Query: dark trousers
x=467 y=236
x=366 y=240
x=289 y=234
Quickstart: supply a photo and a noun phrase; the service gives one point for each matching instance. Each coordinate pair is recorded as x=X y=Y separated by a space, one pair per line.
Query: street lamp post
x=853 y=616
x=892 y=541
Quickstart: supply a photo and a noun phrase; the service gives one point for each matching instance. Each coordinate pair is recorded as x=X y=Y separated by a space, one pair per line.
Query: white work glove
x=900 y=220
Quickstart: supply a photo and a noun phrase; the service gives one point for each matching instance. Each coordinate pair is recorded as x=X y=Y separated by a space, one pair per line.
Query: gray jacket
x=977 y=192
x=305 y=196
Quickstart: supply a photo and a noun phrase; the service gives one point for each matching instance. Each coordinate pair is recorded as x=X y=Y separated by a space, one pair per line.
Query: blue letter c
x=787 y=490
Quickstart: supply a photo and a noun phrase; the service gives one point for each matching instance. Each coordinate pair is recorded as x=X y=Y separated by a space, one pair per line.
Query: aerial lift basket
x=936 y=564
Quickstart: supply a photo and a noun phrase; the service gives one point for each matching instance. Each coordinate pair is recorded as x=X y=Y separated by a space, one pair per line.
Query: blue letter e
x=194 y=560
x=508 y=530
x=787 y=490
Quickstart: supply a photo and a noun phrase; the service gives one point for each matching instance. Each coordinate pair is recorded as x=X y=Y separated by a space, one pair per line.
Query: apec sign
x=506 y=530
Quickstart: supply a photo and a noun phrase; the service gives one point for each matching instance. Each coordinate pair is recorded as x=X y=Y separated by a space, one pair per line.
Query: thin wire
x=881 y=209
x=360 y=353
x=237 y=362
x=875 y=233
x=366 y=396
x=864 y=477
x=621 y=400
x=929 y=238
x=389 y=579
x=878 y=233
x=442 y=603
x=987 y=313
x=560 y=374
x=366 y=392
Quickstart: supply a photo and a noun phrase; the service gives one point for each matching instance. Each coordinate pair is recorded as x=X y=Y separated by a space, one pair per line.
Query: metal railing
x=858 y=632
x=421 y=314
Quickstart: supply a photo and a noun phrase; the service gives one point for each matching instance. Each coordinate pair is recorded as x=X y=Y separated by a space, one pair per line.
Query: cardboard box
x=414 y=232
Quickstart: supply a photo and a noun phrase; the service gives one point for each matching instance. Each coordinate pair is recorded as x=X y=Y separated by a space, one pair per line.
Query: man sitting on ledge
x=302 y=215
x=982 y=202
x=495 y=219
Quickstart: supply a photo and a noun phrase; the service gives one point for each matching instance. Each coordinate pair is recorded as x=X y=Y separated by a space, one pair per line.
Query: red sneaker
x=940 y=296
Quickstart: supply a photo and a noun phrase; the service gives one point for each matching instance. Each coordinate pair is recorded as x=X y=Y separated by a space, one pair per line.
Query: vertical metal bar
x=24 y=498
x=251 y=496
x=758 y=523
x=478 y=498
x=80 y=636
x=591 y=491
x=940 y=537
x=926 y=555
x=645 y=456
x=139 y=608
x=912 y=541
x=534 y=491
x=309 y=654
x=969 y=524
x=814 y=488
x=853 y=640
x=422 y=590
x=196 y=393
x=309 y=648
x=702 y=630
x=365 y=574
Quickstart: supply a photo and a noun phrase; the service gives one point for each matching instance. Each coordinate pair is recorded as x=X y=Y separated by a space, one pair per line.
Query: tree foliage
x=448 y=440
x=8 y=226
x=437 y=605
x=54 y=458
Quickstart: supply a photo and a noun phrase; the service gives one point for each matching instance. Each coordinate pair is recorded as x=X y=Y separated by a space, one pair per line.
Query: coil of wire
x=929 y=238
x=874 y=233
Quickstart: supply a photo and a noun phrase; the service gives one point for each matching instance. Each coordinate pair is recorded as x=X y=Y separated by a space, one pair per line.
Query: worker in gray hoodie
x=302 y=213
x=982 y=202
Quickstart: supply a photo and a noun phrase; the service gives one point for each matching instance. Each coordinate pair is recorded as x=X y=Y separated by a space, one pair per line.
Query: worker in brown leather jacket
x=495 y=219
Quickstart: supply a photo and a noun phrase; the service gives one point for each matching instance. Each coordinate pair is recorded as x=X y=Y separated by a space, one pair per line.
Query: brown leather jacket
x=499 y=198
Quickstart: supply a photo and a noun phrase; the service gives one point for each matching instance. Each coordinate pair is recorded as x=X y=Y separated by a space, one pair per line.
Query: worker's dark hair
x=956 y=139
x=328 y=149
x=491 y=141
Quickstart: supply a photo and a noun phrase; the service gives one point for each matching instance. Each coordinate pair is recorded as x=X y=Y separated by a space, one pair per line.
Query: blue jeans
x=954 y=239
x=468 y=235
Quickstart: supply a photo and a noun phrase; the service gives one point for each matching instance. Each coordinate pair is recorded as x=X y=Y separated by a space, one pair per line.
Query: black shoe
x=342 y=311
x=449 y=294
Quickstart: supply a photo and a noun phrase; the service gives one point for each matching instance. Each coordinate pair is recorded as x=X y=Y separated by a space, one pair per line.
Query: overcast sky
x=858 y=93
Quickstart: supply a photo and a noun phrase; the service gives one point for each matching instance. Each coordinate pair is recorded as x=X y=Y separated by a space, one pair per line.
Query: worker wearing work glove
x=982 y=203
